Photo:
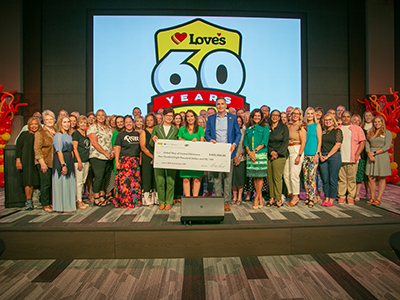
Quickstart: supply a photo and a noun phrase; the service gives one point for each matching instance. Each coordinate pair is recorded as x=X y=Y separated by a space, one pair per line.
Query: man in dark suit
x=223 y=128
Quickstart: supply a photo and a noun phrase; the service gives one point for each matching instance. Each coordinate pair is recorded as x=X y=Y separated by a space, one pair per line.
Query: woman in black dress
x=25 y=160
x=148 y=181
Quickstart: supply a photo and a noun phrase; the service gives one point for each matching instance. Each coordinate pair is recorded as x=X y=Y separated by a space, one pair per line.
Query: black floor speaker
x=202 y=210
x=14 y=190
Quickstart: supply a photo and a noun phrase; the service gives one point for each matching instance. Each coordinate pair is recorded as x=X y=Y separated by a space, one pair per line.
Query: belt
x=294 y=144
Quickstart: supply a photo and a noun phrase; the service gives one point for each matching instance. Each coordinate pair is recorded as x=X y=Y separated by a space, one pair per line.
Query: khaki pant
x=347 y=180
x=292 y=172
x=275 y=171
x=80 y=177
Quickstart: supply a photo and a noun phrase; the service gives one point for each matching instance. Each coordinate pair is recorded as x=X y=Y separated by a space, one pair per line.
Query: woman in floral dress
x=127 y=157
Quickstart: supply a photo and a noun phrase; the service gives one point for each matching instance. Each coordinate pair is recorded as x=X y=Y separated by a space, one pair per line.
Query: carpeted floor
x=144 y=216
x=363 y=275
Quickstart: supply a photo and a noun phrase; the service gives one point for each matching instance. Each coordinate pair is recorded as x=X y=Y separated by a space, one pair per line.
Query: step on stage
x=146 y=232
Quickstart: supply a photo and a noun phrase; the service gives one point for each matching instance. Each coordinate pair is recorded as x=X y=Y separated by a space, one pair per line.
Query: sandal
x=376 y=202
x=47 y=209
x=357 y=197
x=81 y=205
x=233 y=201
x=238 y=202
x=271 y=202
x=306 y=202
x=278 y=204
x=292 y=204
x=370 y=201
x=110 y=200
x=310 y=204
x=99 y=202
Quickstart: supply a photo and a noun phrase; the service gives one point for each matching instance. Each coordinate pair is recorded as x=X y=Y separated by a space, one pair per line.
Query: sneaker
x=342 y=201
x=155 y=198
x=350 y=201
x=29 y=205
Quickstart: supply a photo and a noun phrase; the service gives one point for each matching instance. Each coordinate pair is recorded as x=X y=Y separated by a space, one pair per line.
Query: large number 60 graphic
x=220 y=69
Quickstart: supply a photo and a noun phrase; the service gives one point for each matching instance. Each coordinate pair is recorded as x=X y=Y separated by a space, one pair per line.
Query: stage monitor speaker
x=14 y=190
x=202 y=210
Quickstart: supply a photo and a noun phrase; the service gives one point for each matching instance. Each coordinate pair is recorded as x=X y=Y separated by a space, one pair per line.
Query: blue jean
x=330 y=174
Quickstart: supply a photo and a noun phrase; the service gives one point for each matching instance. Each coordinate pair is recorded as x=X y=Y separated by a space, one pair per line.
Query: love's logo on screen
x=197 y=62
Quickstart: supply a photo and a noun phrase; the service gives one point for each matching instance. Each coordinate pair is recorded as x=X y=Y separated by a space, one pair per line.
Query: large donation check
x=185 y=155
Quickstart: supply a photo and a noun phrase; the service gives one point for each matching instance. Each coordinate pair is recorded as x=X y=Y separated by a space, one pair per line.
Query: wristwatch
x=63 y=165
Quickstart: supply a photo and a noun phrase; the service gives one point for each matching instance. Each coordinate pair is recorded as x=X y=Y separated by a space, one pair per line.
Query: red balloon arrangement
x=390 y=111
x=8 y=107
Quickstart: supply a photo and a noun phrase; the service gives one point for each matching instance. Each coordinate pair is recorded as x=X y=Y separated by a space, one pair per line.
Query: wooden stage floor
x=145 y=232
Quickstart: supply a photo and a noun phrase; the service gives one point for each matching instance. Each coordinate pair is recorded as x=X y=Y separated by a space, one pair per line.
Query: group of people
x=273 y=154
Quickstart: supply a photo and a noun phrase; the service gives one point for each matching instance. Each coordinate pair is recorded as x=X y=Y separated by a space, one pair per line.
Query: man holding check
x=223 y=127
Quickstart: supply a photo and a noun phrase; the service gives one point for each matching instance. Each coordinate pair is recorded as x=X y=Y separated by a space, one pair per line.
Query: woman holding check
x=191 y=131
x=255 y=142
x=165 y=131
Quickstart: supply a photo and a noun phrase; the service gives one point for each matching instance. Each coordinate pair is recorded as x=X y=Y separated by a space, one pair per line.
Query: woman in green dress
x=191 y=132
x=256 y=142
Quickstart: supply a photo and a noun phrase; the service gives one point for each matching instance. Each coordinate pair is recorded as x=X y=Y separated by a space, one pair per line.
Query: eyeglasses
x=275 y=115
x=295 y=113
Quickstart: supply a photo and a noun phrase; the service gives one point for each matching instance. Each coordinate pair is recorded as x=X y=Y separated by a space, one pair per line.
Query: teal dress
x=184 y=134
x=255 y=136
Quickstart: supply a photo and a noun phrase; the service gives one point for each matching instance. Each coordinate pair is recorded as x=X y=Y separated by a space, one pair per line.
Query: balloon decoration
x=390 y=111
x=8 y=107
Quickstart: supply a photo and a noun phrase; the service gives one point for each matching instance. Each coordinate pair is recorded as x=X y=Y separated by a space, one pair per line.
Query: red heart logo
x=178 y=38
x=218 y=34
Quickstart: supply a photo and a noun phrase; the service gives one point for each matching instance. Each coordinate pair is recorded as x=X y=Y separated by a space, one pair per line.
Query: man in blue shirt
x=223 y=128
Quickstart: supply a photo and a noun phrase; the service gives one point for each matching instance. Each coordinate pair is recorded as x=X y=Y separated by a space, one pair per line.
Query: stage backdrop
x=159 y=61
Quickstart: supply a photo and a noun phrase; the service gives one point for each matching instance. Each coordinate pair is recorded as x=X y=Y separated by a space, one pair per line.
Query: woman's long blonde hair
x=59 y=122
x=374 y=131
x=314 y=115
